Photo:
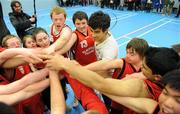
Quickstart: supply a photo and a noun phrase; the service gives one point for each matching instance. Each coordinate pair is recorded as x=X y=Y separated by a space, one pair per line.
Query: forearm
x=9 y=53
x=68 y=45
x=14 y=62
x=62 y=40
x=58 y=105
x=27 y=92
x=24 y=82
x=139 y=105
x=17 y=56
x=102 y=65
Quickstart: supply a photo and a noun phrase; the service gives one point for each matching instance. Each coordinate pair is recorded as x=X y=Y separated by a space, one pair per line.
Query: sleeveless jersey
x=119 y=74
x=84 y=49
x=56 y=36
x=154 y=89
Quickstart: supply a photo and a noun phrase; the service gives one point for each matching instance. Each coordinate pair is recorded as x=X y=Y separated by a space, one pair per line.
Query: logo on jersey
x=84 y=44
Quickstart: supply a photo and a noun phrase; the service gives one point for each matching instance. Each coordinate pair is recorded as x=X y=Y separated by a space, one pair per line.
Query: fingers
x=36 y=58
x=44 y=56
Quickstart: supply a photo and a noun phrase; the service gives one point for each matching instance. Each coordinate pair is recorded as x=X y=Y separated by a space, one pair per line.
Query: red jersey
x=84 y=49
x=18 y=106
x=127 y=68
x=87 y=97
x=32 y=105
x=154 y=89
x=2 y=49
x=21 y=71
x=56 y=36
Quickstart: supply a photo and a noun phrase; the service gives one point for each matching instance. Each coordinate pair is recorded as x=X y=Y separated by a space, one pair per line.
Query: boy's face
x=98 y=34
x=13 y=43
x=58 y=20
x=132 y=56
x=169 y=101
x=81 y=25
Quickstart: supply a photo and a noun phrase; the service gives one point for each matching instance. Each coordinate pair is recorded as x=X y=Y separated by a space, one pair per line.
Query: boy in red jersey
x=60 y=32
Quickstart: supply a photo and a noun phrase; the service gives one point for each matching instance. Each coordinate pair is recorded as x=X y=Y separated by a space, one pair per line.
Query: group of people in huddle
x=36 y=75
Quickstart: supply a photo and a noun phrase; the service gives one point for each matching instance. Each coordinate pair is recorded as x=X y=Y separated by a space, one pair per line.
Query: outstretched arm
x=16 y=56
x=24 y=82
x=58 y=104
x=61 y=41
x=27 y=92
x=129 y=87
x=104 y=65
x=68 y=45
x=140 y=105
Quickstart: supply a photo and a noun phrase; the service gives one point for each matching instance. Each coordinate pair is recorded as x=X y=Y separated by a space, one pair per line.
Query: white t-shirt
x=108 y=49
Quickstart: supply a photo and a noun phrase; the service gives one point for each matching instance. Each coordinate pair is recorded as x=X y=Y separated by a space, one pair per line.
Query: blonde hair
x=7 y=37
x=58 y=10
x=25 y=38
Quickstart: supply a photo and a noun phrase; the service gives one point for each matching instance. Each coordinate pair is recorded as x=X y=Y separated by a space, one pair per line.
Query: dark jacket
x=3 y=28
x=21 y=23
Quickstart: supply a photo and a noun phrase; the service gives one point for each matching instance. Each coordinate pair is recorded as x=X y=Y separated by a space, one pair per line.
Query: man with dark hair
x=104 y=40
x=22 y=22
x=3 y=28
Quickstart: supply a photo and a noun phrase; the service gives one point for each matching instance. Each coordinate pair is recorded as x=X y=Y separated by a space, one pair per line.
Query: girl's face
x=42 y=40
x=30 y=43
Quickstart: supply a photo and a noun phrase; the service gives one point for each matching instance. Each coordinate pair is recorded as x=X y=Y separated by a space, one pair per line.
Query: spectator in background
x=178 y=10
x=22 y=22
x=3 y=28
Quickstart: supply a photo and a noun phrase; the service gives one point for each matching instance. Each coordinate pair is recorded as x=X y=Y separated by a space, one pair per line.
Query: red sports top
x=87 y=96
x=56 y=36
x=18 y=106
x=32 y=105
x=84 y=49
x=119 y=74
